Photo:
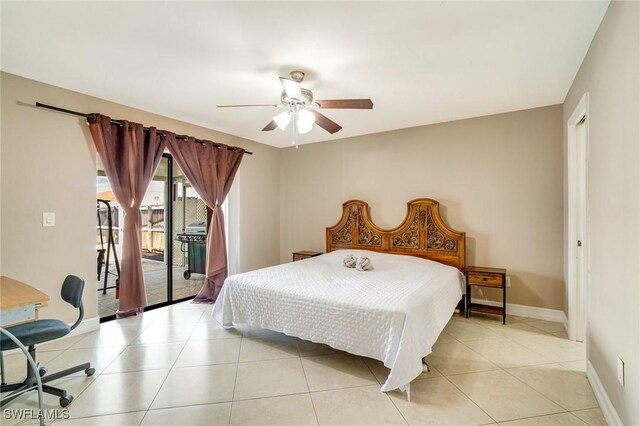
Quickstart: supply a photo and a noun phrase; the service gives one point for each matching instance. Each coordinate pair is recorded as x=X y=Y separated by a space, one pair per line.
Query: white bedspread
x=393 y=313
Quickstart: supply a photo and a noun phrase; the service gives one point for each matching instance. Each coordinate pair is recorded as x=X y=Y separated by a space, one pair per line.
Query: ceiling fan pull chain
x=293 y=129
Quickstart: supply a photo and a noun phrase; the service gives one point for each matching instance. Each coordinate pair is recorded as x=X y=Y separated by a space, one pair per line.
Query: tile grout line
x=95 y=379
x=235 y=379
x=174 y=407
x=165 y=377
x=470 y=399
x=306 y=380
x=345 y=388
x=543 y=395
x=545 y=415
x=511 y=375
x=160 y=345
x=168 y=373
x=386 y=393
x=261 y=360
x=300 y=357
x=478 y=354
x=396 y=407
x=126 y=345
x=542 y=333
x=505 y=368
x=104 y=415
x=97 y=376
x=536 y=391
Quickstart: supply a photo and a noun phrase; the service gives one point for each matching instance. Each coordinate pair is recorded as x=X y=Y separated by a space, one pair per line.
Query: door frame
x=577 y=309
x=168 y=230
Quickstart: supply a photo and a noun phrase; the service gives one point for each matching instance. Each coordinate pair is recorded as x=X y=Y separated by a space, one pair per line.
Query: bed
x=393 y=313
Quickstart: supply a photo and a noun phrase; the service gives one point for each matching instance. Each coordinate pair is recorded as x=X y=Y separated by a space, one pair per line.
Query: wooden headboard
x=422 y=233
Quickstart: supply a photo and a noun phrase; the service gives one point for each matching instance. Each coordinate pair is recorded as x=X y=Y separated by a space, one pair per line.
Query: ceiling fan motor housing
x=297 y=76
x=306 y=98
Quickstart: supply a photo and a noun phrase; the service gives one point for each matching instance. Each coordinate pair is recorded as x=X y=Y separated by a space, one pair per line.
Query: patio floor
x=155 y=278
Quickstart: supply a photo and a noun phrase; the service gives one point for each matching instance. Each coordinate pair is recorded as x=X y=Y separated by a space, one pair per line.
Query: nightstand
x=487 y=277
x=304 y=254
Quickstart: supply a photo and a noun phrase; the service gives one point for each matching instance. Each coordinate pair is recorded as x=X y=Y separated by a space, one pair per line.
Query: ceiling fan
x=302 y=109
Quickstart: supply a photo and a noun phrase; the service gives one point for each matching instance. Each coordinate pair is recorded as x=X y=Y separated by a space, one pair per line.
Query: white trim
x=581 y=109
x=608 y=410
x=86 y=326
x=546 y=314
x=565 y=322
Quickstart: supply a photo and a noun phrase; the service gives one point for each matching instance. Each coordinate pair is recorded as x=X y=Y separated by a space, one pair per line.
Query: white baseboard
x=608 y=410
x=565 y=322
x=546 y=314
x=86 y=326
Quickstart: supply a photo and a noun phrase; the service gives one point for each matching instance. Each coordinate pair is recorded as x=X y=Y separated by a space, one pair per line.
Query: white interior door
x=577 y=255
x=580 y=228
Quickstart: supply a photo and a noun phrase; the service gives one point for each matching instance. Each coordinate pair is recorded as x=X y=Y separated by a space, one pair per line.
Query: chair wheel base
x=65 y=401
x=89 y=371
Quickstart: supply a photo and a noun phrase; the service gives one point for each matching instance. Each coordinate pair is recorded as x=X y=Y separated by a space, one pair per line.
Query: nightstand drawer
x=491 y=280
x=305 y=254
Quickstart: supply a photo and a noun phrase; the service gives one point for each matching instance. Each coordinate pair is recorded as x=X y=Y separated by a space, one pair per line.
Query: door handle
x=579 y=243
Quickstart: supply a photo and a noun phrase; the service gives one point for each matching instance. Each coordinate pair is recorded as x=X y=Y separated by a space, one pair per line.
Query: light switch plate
x=508 y=281
x=48 y=219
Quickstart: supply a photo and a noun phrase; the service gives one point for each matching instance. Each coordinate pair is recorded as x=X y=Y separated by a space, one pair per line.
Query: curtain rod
x=119 y=123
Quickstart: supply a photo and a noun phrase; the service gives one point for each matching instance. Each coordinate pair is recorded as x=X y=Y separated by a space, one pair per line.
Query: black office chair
x=40 y=331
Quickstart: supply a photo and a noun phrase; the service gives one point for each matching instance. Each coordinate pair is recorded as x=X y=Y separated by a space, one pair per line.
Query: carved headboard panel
x=422 y=233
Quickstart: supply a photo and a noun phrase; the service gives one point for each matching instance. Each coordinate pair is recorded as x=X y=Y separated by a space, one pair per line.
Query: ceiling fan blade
x=326 y=123
x=346 y=103
x=291 y=87
x=252 y=105
x=272 y=125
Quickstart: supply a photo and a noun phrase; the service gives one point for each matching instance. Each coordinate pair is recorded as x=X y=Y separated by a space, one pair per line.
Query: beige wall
x=610 y=74
x=498 y=178
x=48 y=164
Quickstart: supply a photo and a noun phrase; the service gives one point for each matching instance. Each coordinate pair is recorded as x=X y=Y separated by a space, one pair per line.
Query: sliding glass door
x=190 y=220
x=155 y=258
x=174 y=226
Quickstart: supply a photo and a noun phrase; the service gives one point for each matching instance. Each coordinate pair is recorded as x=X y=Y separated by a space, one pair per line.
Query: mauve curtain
x=130 y=157
x=210 y=170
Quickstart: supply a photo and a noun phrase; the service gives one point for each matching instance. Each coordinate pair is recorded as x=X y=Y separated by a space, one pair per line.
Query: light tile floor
x=176 y=366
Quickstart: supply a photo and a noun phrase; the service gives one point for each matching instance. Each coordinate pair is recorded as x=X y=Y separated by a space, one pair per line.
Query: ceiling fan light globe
x=304 y=121
x=306 y=128
x=282 y=120
x=306 y=117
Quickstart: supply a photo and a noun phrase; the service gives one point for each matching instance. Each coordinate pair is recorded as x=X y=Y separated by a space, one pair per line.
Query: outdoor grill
x=195 y=239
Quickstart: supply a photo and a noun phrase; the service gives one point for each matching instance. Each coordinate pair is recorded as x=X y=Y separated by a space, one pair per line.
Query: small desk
x=20 y=302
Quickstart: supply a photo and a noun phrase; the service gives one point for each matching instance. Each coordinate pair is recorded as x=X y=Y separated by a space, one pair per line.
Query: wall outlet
x=508 y=281
x=621 y=371
x=48 y=219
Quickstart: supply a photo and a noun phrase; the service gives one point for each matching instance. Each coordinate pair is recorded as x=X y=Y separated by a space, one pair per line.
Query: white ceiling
x=420 y=62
